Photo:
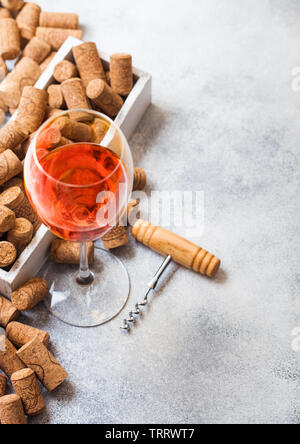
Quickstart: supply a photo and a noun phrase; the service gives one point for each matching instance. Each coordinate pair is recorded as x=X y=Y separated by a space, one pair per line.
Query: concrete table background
x=224 y=120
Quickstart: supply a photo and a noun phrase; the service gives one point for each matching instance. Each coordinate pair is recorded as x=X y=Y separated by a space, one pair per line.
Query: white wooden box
x=33 y=257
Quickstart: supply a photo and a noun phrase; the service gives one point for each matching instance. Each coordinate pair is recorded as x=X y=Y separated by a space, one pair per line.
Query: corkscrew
x=137 y=311
x=175 y=248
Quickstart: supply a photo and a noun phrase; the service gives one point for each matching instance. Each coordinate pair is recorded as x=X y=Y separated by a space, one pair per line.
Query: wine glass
x=80 y=190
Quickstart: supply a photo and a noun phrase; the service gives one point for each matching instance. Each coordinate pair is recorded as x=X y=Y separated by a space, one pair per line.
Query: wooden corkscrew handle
x=182 y=251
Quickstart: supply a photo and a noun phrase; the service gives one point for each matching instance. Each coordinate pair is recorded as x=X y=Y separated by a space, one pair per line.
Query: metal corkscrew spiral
x=137 y=311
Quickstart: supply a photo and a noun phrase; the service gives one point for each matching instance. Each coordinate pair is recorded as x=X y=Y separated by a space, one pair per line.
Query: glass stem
x=85 y=276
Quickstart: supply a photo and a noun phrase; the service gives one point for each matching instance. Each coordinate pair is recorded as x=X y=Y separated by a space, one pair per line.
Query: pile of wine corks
x=83 y=82
x=32 y=37
x=71 y=127
x=24 y=357
x=18 y=222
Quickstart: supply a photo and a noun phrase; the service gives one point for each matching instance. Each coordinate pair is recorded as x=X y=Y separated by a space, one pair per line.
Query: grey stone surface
x=224 y=120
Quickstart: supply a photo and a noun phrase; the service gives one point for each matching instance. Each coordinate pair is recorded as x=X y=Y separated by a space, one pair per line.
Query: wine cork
x=59 y=20
x=37 y=50
x=26 y=69
x=28 y=20
x=100 y=129
x=56 y=98
x=11 y=198
x=121 y=76
x=2 y=385
x=36 y=356
x=104 y=97
x=56 y=36
x=74 y=94
x=65 y=252
x=13 y=5
x=65 y=70
x=9 y=361
x=11 y=135
x=8 y=313
x=7 y=219
x=8 y=254
x=30 y=294
x=12 y=411
x=14 y=182
x=25 y=73
x=115 y=238
x=21 y=234
x=19 y=334
x=47 y=61
x=140 y=179
x=73 y=130
x=3 y=71
x=88 y=63
x=26 y=386
x=49 y=138
x=32 y=108
x=5 y=13
x=182 y=251
x=10 y=166
x=10 y=45
x=15 y=199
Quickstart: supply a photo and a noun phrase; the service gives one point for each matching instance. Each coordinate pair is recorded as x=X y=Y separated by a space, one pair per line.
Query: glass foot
x=92 y=303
